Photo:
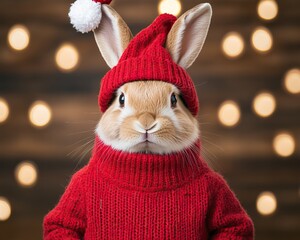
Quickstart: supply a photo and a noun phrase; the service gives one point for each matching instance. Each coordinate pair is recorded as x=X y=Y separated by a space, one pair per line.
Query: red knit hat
x=146 y=58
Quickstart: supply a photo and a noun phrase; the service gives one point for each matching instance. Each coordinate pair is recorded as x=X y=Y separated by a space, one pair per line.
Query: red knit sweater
x=126 y=196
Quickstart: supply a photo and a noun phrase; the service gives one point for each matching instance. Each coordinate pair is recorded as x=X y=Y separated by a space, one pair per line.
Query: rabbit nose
x=147 y=121
x=151 y=127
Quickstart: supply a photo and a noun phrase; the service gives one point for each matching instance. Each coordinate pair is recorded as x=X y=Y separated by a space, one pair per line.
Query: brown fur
x=145 y=103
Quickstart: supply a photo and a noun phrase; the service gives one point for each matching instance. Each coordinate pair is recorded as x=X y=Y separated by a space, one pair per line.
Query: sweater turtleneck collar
x=148 y=172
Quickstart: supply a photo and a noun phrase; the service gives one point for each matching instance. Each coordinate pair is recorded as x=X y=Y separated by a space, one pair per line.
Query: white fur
x=162 y=147
x=116 y=143
x=138 y=127
x=187 y=36
x=168 y=112
x=85 y=15
x=173 y=147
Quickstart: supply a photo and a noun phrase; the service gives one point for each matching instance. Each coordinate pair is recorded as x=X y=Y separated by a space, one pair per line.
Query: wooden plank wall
x=242 y=154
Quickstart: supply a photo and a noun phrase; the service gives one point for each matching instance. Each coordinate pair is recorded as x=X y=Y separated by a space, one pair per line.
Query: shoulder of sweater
x=79 y=176
x=81 y=172
x=215 y=181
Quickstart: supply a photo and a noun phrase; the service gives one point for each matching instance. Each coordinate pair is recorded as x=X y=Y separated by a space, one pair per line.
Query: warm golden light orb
x=5 y=209
x=284 y=144
x=267 y=9
x=292 y=81
x=262 y=39
x=264 y=104
x=4 y=110
x=233 y=45
x=67 y=57
x=266 y=203
x=229 y=113
x=26 y=174
x=40 y=114
x=169 y=6
x=18 y=37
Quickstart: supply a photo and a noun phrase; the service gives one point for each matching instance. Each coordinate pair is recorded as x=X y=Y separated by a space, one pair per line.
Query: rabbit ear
x=187 y=36
x=112 y=36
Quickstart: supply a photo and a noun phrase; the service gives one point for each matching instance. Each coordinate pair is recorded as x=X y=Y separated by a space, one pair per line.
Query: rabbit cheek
x=127 y=132
x=188 y=127
x=108 y=127
x=166 y=132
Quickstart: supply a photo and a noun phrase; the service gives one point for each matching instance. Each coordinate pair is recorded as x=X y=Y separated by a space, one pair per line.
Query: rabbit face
x=148 y=117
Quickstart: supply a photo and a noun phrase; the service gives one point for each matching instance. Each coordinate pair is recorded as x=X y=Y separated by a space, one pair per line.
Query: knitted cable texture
x=139 y=196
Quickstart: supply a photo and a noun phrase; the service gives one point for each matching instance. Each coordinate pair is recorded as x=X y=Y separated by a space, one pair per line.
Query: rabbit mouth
x=145 y=146
x=146 y=142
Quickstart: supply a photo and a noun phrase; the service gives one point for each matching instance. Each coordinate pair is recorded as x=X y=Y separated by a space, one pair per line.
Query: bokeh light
x=40 y=114
x=284 y=144
x=26 y=174
x=5 y=209
x=229 y=113
x=18 y=37
x=169 y=6
x=292 y=81
x=266 y=203
x=233 y=44
x=67 y=57
x=262 y=39
x=267 y=9
x=264 y=104
x=4 y=110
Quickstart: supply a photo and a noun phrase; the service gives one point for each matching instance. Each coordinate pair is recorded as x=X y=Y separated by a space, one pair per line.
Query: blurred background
x=247 y=77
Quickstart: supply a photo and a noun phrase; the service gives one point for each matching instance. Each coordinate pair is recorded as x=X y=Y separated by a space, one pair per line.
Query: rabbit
x=150 y=117
x=141 y=181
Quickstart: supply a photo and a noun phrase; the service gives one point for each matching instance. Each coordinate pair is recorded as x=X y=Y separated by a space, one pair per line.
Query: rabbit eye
x=173 y=100
x=122 y=100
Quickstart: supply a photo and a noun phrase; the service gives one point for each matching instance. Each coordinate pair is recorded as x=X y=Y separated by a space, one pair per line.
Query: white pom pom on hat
x=85 y=15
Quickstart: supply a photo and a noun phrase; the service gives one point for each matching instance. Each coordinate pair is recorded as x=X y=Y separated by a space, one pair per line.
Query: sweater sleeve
x=68 y=219
x=226 y=217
